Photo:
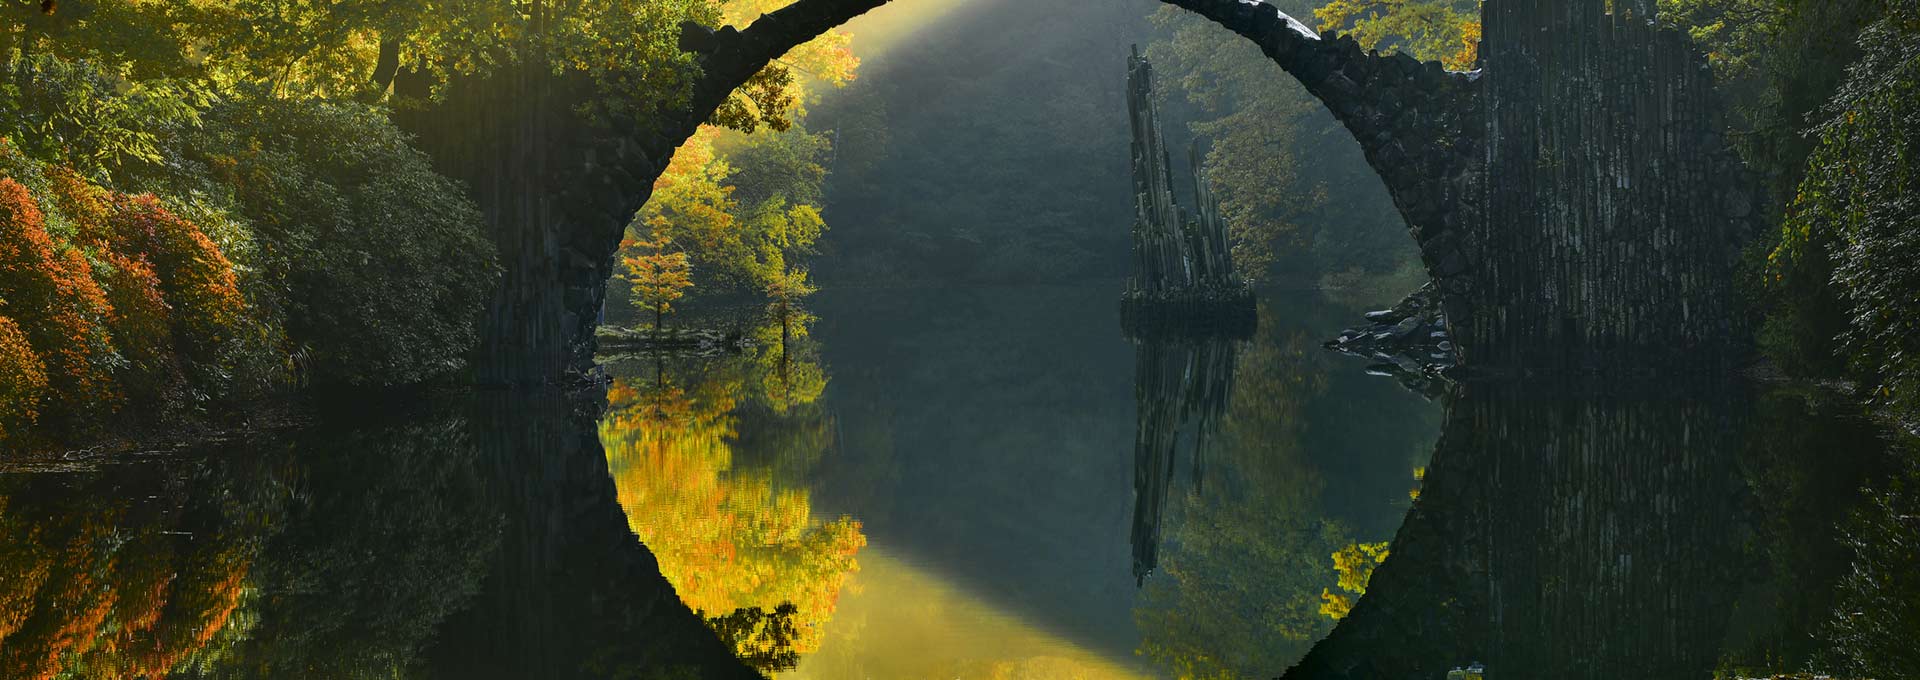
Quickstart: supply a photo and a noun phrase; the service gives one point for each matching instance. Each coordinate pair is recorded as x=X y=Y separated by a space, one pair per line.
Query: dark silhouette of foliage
x=1861 y=200
x=764 y=639
x=1877 y=617
x=378 y=262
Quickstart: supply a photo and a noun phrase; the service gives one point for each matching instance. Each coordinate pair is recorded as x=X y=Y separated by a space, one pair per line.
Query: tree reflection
x=476 y=538
x=119 y=575
x=1877 y=614
x=732 y=525
x=336 y=553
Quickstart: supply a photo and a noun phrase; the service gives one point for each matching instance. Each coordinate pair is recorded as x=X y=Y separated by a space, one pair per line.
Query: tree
x=739 y=245
x=377 y=263
x=1447 y=31
x=1776 y=64
x=50 y=293
x=659 y=277
x=22 y=379
x=1328 y=221
x=1857 y=210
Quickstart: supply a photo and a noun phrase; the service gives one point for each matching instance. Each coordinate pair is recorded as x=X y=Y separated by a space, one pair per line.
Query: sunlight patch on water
x=896 y=620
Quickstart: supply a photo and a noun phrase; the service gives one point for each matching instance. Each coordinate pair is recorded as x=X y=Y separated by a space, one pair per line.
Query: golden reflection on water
x=733 y=539
x=735 y=531
x=899 y=621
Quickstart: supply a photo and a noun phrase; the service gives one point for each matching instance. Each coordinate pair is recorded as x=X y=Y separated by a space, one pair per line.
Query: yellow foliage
x=1447 y=31
x=1354 y=567
x=727 y=538
x=22 y=380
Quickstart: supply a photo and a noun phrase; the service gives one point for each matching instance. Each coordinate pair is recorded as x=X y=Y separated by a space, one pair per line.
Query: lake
x=1000 y=483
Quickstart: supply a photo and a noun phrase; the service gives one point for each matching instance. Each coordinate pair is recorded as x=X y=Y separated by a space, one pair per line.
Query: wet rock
x=1408 y=342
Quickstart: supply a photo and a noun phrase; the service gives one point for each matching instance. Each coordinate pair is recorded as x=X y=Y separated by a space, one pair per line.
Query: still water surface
x=979 y=483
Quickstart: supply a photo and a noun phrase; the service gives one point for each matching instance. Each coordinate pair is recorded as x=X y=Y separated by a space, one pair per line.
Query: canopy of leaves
x=1447 y=31
x=754 y=244
x=378 y=263
x=1862 y=195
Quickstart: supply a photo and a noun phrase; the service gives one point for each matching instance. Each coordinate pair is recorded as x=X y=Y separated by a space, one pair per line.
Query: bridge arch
x=1416 y=123
x=1576 y=207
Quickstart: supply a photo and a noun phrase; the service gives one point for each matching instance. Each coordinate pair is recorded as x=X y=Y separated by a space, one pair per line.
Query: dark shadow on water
x=1602 y=530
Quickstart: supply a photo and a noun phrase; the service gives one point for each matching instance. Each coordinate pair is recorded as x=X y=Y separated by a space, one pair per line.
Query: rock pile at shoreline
x=1408 y=342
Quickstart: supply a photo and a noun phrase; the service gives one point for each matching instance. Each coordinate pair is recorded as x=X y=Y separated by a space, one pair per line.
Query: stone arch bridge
x=1573 y=199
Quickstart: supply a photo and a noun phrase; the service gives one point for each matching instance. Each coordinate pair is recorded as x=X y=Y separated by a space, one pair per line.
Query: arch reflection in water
x=1292 y=463
x=1564 y=530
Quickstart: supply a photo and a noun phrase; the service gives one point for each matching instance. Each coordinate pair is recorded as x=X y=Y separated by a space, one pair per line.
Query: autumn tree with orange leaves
x=105 y=298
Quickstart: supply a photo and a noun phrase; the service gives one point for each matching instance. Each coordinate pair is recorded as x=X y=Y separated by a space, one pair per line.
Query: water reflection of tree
x=385 y=531
x=336 y=553
x=728 y=514
x=96 y=581
x=1244 y=569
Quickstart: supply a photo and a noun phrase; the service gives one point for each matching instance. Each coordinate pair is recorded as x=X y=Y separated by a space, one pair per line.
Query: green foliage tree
x=92 y=118
x=1777 y=62
x=1328 y=220
x=1877 y=615
x=1861 y=200
x=376 y=262
x=747 y=230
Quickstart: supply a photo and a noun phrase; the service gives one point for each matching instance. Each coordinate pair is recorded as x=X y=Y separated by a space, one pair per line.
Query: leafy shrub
x=53 y=297
x=195 y=278
x=1862 y=195
x=140 y=325
x=379 y=262
x=22 y=379
x=83 y=204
